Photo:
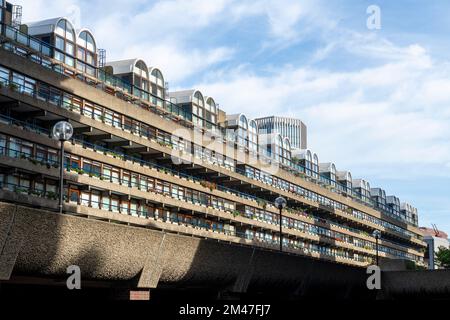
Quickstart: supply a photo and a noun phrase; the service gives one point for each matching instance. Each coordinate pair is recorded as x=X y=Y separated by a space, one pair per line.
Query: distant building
x=434 y=239
x=292 y=128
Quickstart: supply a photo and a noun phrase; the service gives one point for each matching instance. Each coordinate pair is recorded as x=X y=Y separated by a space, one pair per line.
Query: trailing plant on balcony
x=36 y=193
x=164 y=144
x=262 y=203
x=164 y=170
x=94 y=175
x=51 y=195
x=291 y=210
x=33 y=161
x=207 y=184
x=20 y=190
x=77 y=170
x=13 y=86
x=236 y=213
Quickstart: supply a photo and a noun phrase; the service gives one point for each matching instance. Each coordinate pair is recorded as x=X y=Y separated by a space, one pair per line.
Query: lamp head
x=376 y=234
x=280 y=203
x=62 y=131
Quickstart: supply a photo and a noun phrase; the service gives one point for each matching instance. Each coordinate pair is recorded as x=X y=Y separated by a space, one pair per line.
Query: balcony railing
x=300 y=248
x=37 y=129
x=62 y=103
x=296 y=169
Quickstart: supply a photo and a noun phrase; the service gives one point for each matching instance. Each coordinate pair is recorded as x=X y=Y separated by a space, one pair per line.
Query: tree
x=443 y=257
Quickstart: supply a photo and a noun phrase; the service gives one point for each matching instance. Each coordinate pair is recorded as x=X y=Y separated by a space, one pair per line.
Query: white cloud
x=380 y=117
x=283 y=15
x=178 y=63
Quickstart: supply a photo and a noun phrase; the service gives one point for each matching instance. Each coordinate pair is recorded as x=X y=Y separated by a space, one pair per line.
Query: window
x=134 y=180
x=85 y=199
x=74 y=195
x=106 y=203
x=4 y=74
x=91 y=167
x=59 y=56
x=95 y=199
x=143 y=184
x=114 y=204
x=70 y=61
x=108 y=117
x=59 y=43
x=81 y=66
x=125 y=178
x=73 y=162
x=88 y=110
x=81 y=53
x=124 y=207
x=134 y=208
x=27 y=85
x=98 y=113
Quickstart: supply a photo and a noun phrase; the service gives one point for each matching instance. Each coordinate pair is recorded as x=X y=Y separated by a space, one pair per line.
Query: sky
x=376 y=101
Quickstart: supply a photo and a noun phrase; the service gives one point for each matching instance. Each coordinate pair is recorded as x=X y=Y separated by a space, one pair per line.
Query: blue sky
x=376 y=102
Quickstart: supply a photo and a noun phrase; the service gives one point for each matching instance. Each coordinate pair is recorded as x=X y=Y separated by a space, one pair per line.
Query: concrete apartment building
x=293 y=129
x=135 y=160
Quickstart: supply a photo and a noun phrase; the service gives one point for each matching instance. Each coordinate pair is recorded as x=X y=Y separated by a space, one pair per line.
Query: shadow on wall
x=248 y=272
x=179 y=264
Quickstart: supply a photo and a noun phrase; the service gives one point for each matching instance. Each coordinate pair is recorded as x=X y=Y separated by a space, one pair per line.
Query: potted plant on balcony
x=12 y=86
x=19 y=190
x=262 y=203
x=51 y=195
x=35 y=193
x=33 y=161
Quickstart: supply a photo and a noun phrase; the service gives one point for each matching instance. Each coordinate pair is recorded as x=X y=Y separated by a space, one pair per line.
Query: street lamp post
x=62 y=131
x=377 y=234
x=281 y=203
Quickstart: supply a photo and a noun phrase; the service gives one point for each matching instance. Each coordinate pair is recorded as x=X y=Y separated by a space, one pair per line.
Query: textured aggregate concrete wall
x=426 y=283
x=41 y=243
x=46 y=243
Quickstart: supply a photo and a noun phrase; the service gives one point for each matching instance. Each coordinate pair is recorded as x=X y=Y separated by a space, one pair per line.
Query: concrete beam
x=151 y=273
x=97 y=137
x=81 y=130
x=32 y=114
x=245 y=276
x=124 y=143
